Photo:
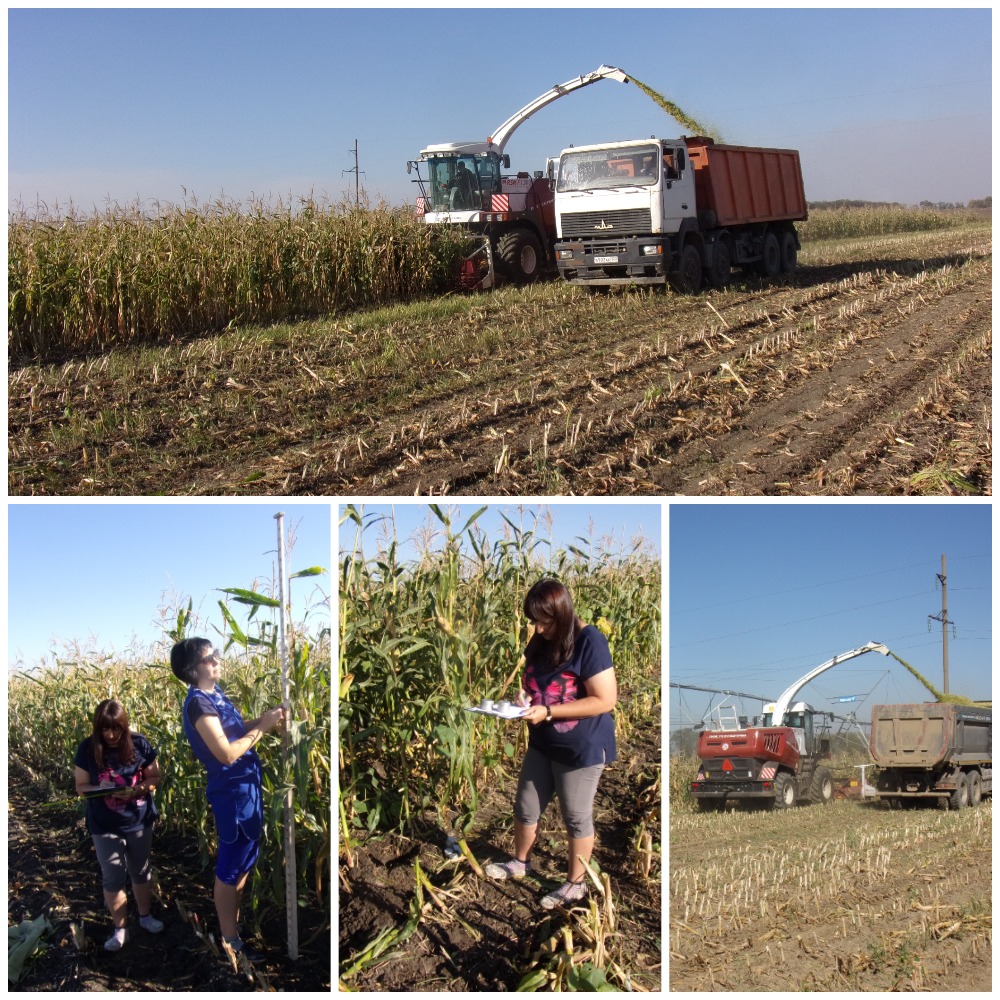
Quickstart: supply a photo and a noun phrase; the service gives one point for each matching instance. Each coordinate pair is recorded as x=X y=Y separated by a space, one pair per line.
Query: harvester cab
x=510 y=219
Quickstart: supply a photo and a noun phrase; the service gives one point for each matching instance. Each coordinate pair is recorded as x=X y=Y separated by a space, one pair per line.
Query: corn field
x=80 y=283
x=419 y=641
x=881 y=220
x=50 y=712
x=88 y=283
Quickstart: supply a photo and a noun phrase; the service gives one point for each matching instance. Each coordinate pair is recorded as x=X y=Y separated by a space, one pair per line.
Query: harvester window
x=463 y=187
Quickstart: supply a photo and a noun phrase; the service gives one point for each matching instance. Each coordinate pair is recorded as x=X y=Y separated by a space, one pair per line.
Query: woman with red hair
x=122 y=764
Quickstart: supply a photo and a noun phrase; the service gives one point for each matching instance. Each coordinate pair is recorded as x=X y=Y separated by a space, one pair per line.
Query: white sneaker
x=116 y=941
x=507 y=869
x=568 y=892
x=151 y=924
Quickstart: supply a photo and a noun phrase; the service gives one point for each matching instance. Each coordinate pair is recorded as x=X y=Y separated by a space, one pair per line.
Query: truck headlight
x=652 y=250
x=565 y=254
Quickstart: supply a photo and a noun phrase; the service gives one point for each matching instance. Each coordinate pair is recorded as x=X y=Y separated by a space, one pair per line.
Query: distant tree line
x=944 y=206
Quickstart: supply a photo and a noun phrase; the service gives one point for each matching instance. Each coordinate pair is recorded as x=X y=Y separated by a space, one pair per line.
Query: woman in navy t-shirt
x=122 y=764
x=224 y=744
x=570 y=684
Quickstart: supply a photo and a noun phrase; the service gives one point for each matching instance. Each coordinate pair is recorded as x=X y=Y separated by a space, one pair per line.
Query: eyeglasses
x=214 y=656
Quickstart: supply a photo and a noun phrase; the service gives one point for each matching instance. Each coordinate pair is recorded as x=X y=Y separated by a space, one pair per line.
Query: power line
x=796 y=621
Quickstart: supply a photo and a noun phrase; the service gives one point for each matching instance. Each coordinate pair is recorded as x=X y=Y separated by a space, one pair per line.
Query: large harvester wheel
x=784 y=790
x=519 y=256
x=821 y=787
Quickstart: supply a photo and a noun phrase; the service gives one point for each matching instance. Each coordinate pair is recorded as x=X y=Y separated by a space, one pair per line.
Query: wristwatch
x=548 y=713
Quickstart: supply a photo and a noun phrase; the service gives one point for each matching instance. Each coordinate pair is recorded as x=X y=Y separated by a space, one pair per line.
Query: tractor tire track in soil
x=650 y=416
x=793 y=387
x=52 y=869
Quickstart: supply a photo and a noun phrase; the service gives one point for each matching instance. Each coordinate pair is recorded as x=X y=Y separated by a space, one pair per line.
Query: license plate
x=606 y=260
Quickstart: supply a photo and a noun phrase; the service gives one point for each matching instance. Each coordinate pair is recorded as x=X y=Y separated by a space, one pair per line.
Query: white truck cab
x=616 y=202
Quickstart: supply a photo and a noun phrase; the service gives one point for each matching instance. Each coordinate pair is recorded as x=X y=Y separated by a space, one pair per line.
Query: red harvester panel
x=760 y=744
x=745 y=184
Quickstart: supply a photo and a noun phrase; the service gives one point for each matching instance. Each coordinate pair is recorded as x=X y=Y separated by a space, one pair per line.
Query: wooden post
x=291 y=895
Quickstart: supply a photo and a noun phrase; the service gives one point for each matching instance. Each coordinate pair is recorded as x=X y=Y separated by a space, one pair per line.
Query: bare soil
x=866 y=373
x=52 y=869
x=486 y=937
x=849 y=897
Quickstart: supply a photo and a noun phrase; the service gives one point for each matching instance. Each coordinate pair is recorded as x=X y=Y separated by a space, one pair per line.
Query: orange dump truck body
x=745 y=184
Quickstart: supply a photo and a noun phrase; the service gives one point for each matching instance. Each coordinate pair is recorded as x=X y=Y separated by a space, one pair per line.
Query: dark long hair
x=110 y=713
x=549 y=600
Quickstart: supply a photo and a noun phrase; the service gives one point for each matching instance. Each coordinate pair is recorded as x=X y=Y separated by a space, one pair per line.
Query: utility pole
x=943 y=618
x=357 y=175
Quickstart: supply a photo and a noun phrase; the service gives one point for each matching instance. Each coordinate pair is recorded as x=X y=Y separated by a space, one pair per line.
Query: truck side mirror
x=409 y=166
x=681 y=161
x=506 y=161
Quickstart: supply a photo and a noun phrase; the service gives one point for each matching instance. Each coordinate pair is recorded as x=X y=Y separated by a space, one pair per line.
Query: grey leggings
x=117 y=852
x=575 y=786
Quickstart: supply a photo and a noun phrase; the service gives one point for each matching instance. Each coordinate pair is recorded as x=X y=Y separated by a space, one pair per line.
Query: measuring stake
x=291 y=902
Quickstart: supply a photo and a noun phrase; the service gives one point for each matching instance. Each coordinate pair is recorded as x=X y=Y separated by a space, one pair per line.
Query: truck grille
x=597 y=225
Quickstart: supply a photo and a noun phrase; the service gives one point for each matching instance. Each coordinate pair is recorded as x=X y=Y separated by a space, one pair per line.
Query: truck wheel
x=960 y=797
x=789 y=252
x=770 y=258
x=687 y=278
x=784 y=790
x=975 y=788
x=519 y=256
x=821 y=787
x=708 y=805
x=722 y=265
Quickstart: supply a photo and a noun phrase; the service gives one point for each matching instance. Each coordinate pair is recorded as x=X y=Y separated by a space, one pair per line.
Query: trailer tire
x=519 y=256
x=709 y=805
x=721 y=270
x=960 y=797
x=975 y=788
x=784 y=790
x=770 y=256
x=789 y=252
x=821 y=787
x=687 y=278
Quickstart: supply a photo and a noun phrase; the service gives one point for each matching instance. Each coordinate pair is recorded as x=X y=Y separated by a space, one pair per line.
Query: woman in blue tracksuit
x=224 y=744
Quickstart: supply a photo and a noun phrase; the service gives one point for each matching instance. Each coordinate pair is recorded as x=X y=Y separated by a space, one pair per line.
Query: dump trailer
x=933 y=751
x=685 y=211
x=781 y=760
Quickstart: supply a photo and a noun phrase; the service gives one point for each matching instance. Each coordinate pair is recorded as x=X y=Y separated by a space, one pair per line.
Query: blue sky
x=611 y=527
x=124 y=104
x=98 y=573
x=762 y=593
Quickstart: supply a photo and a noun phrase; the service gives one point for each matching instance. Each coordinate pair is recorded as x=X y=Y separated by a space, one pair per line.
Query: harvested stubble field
x=867 y=373
x=847 y=897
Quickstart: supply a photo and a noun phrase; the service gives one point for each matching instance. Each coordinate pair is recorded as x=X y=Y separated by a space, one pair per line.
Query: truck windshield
x=458 y=182
x=597 y=169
